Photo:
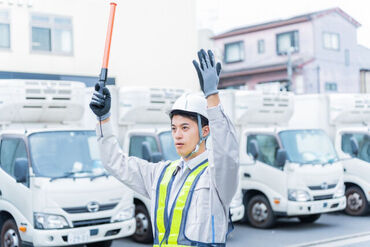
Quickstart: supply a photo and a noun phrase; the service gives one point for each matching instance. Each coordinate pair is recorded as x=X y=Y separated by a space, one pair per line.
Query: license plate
x=325 y=204
x=78 y=237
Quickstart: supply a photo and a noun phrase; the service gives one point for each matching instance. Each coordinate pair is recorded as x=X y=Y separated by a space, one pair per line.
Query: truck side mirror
x=148 y=155
x=281 y=157
x=145 y=149
x=354 y=146
x=21 y=170
x=253 y=149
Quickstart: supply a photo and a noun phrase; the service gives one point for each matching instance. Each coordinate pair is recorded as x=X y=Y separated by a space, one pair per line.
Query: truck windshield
x=168 y=147
x=62 y=154
x=308 y=146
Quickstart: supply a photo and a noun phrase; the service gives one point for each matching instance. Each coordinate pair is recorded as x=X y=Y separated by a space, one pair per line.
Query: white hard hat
x=191 y=102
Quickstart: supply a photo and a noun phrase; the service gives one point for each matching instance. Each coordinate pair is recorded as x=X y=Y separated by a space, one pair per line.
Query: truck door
x=17 y=194
x=265 y=172
x=136 y=142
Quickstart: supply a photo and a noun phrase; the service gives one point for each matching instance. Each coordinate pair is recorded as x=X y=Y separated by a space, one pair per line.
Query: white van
x=54 y=190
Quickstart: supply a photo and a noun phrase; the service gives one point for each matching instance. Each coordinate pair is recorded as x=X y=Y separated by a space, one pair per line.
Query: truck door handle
x=1 y=193
x=344 y=169
x=247 y=175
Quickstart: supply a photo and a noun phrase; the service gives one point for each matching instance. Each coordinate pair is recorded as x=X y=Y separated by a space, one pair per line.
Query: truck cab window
x=136 y=145
x=267 y=146
x=11 y=149
x=363 y=141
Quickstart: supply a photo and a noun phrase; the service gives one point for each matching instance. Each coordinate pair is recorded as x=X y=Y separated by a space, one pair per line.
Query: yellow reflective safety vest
x=170 y=229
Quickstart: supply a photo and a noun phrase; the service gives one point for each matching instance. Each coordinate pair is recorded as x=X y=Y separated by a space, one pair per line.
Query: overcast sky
x=223 y=15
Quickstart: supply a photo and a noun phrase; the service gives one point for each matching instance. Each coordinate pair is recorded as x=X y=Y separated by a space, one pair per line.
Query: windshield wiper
x=104 y=174
x=68 y=175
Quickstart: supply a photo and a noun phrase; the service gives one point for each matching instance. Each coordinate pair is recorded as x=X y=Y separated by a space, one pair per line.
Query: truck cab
x=346 y=119
x=54 y=190
x=285 y=172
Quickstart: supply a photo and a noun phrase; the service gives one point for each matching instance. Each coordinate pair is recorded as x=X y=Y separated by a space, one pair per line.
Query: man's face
x=185 y=134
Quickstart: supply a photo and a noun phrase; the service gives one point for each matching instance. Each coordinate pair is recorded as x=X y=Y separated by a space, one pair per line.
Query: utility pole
x=289 y=68
x=318 y=79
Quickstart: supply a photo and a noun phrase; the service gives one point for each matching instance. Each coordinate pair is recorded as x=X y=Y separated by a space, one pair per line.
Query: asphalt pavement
x=331 y=230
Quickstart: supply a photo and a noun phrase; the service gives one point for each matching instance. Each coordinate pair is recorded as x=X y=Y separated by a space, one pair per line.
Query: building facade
x=311 y=53
x=153 y=43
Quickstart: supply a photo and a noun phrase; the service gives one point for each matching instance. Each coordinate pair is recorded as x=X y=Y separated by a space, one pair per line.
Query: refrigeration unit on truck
x=284 y=172
x=346 y=118
x=54 y=190
x=144 y=131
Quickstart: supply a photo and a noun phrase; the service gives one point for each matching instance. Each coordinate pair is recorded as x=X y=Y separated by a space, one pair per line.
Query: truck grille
x=320 y=187
x=78 y=210
x=93 y=222
x=323 y=197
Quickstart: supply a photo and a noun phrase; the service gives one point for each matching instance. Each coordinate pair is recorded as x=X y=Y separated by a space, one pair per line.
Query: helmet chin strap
x=201 y=138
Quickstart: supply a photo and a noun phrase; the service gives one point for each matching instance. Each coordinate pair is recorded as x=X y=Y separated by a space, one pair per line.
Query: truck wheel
x=260 y=213
x=309 y=218
x=10 y=235
x=144 y=232
x=100 y=244
x=356 y=202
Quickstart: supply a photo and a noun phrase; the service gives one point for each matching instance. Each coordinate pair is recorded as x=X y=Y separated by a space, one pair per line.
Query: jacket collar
x=195 y=161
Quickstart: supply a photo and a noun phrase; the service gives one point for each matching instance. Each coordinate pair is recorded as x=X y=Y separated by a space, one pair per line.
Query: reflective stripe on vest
x=168 y=229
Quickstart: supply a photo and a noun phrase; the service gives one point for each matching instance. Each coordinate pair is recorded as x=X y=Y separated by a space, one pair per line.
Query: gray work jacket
x=208 y=216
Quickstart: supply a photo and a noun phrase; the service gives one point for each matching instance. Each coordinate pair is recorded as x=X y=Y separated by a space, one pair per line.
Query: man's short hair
x=191 y=115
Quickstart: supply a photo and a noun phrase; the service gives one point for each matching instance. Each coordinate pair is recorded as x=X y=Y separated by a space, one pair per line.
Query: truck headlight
x=49 y=221
x=298 y=195
x=124 y=214
x=339 y=192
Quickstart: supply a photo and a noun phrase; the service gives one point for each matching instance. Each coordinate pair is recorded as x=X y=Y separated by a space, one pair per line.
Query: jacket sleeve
x=224 y=154
x=136 y=173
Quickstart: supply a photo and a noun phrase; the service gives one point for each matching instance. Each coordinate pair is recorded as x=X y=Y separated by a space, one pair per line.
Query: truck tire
x=357 y=203
x=10 y=235
x=259 y=212
x=100 y=244
x=144 y=232
x=309 y=218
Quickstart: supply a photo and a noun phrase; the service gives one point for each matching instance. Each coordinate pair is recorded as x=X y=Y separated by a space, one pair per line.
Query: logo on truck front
x=324 y=186
x=93 y=207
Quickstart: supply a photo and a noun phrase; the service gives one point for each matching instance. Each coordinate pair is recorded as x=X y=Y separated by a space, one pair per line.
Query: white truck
x=346 y=118
x=284 y=172
x=54 y=190
x=140 y=117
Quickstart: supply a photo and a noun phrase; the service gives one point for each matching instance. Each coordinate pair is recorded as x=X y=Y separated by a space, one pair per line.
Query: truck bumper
x=83 y=235
x=316 y=207
x=237 y=213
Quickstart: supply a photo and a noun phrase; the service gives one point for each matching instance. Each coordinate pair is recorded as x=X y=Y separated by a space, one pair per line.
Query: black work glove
x=100 y=102
x=208 y=72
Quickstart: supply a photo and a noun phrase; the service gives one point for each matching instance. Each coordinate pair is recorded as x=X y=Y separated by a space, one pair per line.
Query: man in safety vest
x=190 y=197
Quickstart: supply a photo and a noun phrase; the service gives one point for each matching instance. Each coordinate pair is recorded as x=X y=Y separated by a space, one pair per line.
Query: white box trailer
x=54 y=190
x=346 y=118
x=282 y=173
x=143 y=127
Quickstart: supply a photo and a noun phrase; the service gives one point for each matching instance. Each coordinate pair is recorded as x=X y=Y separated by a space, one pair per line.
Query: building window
x=51 y=34
x=346 y=57
x=286 y=40
x=331 y=87
x=261 y=46
x=331 y=41
x=234 y=52
x=4 y=30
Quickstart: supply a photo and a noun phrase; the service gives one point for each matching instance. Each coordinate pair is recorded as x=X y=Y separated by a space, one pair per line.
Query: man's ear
x=205 y=130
